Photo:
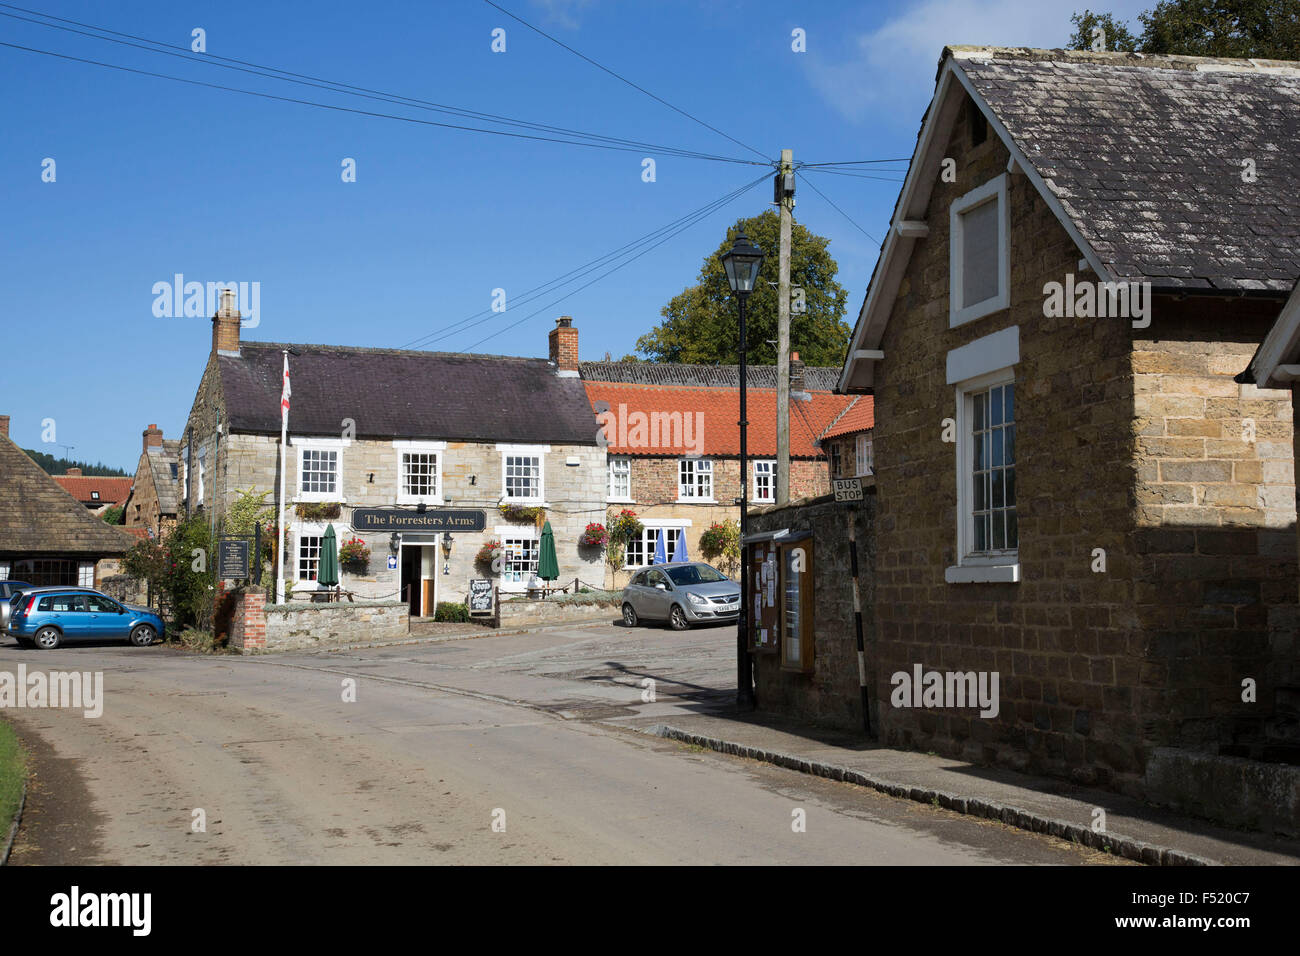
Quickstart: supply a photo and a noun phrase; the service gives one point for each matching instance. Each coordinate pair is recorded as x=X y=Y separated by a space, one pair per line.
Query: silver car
x=7 y=590
x=684 y=593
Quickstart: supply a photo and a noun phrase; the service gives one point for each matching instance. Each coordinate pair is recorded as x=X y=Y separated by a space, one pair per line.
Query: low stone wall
x=1242 y=793
x=257 y=627
x=512 y=614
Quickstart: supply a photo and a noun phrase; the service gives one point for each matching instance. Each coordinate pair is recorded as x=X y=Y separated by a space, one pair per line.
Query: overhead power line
x=372 y=113
x=650 y=241
x=622 y=78
x=813 y=187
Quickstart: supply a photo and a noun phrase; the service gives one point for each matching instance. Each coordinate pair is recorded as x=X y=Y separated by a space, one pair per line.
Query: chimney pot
x=153 y=438
x=564 y=346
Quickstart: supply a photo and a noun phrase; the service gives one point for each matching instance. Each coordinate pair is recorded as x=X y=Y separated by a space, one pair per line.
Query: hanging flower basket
x=624 y=526
x=488 y=554
x=595 y=536
x=354 y=556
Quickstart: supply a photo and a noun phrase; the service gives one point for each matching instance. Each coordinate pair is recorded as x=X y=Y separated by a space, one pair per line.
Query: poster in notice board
x=764 y=615
x=480 y=596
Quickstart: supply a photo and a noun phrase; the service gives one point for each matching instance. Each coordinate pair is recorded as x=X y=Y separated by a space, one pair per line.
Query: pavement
x=592 y=744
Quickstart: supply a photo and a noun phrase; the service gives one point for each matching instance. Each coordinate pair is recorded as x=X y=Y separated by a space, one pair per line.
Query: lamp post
x=742 y=263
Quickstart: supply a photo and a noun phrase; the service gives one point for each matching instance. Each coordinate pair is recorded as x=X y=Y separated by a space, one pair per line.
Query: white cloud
x=562 y=13
x=894 y=64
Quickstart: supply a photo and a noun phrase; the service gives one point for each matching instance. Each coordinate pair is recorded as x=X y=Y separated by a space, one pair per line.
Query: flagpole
x=279 y=522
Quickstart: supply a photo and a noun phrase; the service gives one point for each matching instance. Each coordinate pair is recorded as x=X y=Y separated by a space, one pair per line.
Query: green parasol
x=327 y=573
x=548 y=566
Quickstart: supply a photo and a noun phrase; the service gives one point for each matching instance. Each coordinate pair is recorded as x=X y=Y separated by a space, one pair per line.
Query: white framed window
x=640 y=551
x=836 y=458
x=518 y=560
x=620 y=479
x=864 y=456
x=523 y=472
x=309 y=546
x=979 y=261
x=320 y=468
x=86 y=574
x=694 y=479
x=988 y=537
x=764 y=481
x=203 y=467
x=419 y=472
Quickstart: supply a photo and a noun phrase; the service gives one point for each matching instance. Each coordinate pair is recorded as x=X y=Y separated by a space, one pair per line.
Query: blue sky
x=155 y=178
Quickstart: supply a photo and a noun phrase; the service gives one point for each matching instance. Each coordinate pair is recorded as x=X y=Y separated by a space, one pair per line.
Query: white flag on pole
x=285 y=391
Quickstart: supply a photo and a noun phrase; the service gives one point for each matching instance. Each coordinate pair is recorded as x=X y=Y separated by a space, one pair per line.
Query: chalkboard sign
x=232 y=559
x=480 y=596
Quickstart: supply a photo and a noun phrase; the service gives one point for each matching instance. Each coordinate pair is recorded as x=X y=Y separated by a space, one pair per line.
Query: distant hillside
x=60 y=466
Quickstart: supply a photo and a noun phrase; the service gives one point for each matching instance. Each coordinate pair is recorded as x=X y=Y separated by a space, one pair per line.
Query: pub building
x=48 y=537
x=427 y=458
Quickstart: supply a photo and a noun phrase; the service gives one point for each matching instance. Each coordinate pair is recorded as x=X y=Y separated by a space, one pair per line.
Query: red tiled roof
x=112 y=491
x=859 y=417
x=683 y=420
x=141 y=533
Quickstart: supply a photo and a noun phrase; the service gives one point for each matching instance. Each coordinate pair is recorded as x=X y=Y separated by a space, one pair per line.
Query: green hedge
x=451 y=613
x=13 y=770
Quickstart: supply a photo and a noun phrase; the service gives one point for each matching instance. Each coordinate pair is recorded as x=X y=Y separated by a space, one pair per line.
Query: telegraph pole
x=783 y=195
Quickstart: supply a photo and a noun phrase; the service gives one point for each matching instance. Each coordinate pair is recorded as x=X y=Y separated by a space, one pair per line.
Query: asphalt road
x=504 y=749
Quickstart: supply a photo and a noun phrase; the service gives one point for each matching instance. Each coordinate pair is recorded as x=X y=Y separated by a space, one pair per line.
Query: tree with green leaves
x=177 y=569
x=700 y=323
x=1266 y=29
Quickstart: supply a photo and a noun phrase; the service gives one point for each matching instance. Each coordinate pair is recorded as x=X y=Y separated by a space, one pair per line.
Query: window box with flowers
x=354 y=556
x=525 y=514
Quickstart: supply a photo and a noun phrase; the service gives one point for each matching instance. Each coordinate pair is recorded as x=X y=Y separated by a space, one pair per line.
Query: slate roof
x=37 y=516
x=112 y=491
x=391 y=393
x=858 y=417
x=1145 y=154
x=165 y=486
x=816 y=378
x=719 y=433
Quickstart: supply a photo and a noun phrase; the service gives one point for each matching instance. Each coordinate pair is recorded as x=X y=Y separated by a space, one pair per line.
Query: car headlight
x=696 y=599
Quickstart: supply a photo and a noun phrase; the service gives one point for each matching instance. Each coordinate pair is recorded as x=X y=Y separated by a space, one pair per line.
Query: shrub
x=451 y=612
x=177 y=569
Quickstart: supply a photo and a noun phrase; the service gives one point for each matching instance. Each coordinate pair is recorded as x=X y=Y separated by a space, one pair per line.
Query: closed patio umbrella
x=327 y=572
x=661 y=552
x=548 y=566
x=679 y=552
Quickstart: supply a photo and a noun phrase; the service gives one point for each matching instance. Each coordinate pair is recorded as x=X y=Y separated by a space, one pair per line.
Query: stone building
x=1072 y=490
x=46 y=535
x=155 y=490
x=674 y=445
x=410 y=433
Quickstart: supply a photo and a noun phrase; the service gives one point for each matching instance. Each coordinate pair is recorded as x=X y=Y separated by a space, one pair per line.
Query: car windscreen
x=694 y=574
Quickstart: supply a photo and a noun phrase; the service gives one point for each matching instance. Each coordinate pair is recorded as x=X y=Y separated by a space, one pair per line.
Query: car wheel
x=143 y=636
x=48 y=638
x=677 y=619
x=629 y=615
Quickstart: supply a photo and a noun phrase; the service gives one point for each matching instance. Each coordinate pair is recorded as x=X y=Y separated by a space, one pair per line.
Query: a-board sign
x=232 y=559
x=435 y=520
x=480 y=596
x=847 y=489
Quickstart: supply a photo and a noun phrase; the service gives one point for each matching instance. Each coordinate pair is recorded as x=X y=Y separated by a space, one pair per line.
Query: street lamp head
x=742 y=263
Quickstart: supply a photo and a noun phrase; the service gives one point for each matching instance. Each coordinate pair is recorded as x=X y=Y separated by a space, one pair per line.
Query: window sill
x=415 y=500
x=621 y=501
x=696 y=501
x=983 y=574
x=311 y=498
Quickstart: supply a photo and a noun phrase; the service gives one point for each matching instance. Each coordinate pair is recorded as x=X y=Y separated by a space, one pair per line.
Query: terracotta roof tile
x=111 y=491
x=858 y=417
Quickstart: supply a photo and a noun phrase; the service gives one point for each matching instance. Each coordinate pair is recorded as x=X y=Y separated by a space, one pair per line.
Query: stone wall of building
x=654 y=494
x=831 y=694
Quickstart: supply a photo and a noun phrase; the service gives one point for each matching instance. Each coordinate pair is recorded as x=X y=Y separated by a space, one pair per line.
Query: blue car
x=46 y=617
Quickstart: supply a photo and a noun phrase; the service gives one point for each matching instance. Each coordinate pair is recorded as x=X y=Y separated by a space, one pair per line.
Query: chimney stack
x=225 y=324
x=73 y=473
x=152 y=438
x=796 y=373
x=564 y=346
x=4 y=425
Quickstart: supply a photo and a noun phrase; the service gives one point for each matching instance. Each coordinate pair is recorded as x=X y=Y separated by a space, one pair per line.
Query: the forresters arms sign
x=443 y=519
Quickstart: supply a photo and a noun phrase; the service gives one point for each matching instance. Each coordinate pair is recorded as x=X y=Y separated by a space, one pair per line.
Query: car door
x=104 y=617
x=634 y=593
x=658 y=594
x=68 y=613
